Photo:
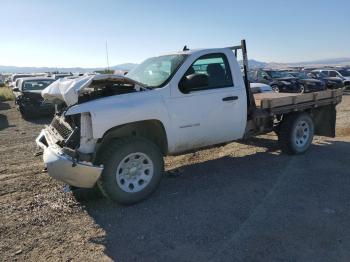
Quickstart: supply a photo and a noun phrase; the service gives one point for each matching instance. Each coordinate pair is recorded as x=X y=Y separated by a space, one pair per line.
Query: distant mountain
x=322 y=62
x=254 y=63
x=343 y=61
x=128 y=66
x=16 y=69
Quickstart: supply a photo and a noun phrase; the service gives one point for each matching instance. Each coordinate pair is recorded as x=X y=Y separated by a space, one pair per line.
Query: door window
x=333 y=74
x=263 y=75
x=207 y=72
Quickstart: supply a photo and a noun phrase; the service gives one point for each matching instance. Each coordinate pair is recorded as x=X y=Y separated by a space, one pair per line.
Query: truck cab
x=207 y=100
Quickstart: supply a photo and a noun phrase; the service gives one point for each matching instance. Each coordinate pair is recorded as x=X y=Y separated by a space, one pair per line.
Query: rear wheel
x=296 y=133
x=132 y=170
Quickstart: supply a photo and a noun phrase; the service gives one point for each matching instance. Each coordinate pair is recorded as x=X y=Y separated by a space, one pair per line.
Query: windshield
x=156 y=71
x=36 y=84
x=300 y=75
x=319 y=74
x=344 y=72
x=278 y=74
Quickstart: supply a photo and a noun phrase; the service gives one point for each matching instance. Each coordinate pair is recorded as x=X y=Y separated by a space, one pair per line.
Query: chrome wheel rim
x=301 y=134
x=134 y=172
x=302 y=89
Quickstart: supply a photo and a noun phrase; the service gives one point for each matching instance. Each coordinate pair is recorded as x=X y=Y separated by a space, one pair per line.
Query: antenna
x=107 y=56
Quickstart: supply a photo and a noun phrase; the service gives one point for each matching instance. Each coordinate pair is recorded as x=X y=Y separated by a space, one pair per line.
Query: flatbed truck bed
x=278 y=103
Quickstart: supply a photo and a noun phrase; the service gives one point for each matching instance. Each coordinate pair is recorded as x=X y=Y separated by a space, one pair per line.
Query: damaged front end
x=61 y=142
x=68 y=142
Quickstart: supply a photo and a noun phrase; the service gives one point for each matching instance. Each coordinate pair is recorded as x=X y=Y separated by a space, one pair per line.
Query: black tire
x=112 y=156
x=24 y=114
x=290 y=136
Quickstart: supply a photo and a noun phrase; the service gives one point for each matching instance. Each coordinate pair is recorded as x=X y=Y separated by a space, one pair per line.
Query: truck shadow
x=265 y=141
x=189 y=217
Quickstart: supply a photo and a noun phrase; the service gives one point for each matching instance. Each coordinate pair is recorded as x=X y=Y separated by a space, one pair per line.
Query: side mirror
x=193 y=82
x=15 y=89
x=266 y=77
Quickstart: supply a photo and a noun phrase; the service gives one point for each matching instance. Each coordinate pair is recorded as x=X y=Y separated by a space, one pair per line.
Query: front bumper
x=62 y=167
x=41 y=108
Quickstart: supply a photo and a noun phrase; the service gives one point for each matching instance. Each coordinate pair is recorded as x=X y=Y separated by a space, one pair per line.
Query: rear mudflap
x=325 y=120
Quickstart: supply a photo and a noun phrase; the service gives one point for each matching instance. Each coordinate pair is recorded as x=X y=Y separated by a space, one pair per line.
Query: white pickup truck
x=113 y=131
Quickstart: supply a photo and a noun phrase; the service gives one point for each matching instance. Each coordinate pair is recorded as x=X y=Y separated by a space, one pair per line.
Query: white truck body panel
x=191 y=121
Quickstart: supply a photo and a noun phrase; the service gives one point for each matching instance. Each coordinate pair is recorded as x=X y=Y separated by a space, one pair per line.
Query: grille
x=61 y=127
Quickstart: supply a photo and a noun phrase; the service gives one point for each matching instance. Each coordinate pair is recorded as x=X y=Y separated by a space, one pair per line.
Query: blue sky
x=73 y=33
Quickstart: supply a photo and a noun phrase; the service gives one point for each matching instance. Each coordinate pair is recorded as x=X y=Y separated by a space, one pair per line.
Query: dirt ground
x=242 y=202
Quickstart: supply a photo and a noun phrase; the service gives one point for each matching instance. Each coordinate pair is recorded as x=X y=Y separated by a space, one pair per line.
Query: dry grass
x=6 y=94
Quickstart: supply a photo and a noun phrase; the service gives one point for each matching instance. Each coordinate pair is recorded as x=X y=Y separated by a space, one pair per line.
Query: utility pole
x=107 y=56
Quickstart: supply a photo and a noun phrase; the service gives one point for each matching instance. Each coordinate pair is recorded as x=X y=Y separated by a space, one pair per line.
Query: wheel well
x=152 y=130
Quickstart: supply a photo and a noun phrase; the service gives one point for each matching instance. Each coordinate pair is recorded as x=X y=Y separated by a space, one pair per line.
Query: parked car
x=308 y=84
x=331 y=82
x=29 y=101
x=343 y=74
x=113 y=131
x=260 y=88
x=280 y=81
x=61 y=75
x=2 y=80
x=14 y=77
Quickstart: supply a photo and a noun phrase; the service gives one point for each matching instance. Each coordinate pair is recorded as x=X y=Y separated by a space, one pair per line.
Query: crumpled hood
x=68 y=90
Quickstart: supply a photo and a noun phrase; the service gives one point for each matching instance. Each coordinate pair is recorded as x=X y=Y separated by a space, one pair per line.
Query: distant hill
x=343 y=61
x=254 y=63
x=16 y=69
x=317 y=63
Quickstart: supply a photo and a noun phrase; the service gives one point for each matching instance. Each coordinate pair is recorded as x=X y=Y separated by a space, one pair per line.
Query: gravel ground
x=241 y=202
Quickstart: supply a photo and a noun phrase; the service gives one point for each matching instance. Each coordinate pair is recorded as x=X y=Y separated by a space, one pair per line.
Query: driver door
x=208 y=114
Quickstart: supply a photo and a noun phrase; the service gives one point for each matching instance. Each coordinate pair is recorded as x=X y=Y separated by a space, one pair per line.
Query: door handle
x=230 y=98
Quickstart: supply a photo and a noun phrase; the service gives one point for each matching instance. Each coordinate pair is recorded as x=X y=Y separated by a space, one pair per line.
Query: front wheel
x=23 y=112
x=296 y=133
x=133 y=168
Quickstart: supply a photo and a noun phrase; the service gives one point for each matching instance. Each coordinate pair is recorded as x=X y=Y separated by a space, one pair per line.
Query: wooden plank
x=273 y=100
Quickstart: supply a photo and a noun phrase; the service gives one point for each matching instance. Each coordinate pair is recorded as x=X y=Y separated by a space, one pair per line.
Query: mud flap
x=324 y=120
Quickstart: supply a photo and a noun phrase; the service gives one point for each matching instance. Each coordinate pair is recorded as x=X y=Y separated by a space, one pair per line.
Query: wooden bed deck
x=278 y=100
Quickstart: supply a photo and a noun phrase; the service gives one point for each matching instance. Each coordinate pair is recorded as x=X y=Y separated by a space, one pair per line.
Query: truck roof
x=194 y=51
